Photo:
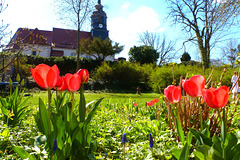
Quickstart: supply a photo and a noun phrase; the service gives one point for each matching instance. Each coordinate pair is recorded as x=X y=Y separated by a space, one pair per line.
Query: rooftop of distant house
x=58 y=37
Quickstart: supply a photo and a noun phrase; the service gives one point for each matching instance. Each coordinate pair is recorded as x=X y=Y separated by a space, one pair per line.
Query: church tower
x=99 y=22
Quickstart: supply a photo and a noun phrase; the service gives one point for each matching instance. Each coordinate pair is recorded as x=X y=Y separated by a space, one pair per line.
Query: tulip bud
x=84 y=75
x=18 y=78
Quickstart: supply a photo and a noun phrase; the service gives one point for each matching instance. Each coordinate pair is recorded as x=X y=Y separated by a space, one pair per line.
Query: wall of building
x=72 y=52
x=39 y=50
x=45 y=51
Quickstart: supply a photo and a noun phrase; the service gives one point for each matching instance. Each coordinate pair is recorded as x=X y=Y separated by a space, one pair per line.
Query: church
x=58 y=42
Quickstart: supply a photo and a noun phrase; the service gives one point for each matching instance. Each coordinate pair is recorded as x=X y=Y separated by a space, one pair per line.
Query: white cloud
x=36 y=14
x=125 y=5
x=220 y=1
x=125 y=30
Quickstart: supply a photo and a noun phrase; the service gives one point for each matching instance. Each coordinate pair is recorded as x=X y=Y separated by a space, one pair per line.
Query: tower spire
x=99 y=1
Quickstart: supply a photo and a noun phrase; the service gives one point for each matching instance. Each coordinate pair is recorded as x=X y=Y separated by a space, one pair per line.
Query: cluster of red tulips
x=152 y=102
x=49 y=77
x=195 y=87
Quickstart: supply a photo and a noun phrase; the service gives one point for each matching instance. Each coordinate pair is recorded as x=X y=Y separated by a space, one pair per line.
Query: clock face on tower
x=100 y=26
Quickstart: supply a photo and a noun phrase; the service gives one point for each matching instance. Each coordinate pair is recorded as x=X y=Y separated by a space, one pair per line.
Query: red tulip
x=194 y=85
x=151 y=103
x=72 y=82
x=173 y=93
x=135 y=104
x=60 y=85
x=84 y=75
x=156 y=100
x=60 y=81
x=216 y=98
x=45 y=76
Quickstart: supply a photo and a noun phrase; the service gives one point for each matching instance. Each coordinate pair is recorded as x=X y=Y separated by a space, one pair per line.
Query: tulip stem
x=123 y=150
x=72 y=96
x=57 y=93
x=49 y=111
x=200 y=114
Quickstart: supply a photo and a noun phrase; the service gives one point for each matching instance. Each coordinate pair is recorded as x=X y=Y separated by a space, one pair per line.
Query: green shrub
x=123 y=75
x=24 y=68
x=67 y=64
x=103 y=72
x=162 y=76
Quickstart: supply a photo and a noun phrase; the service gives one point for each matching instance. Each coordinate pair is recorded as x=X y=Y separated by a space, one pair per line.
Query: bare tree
x=205 y=22
x=230 y=52
x=160 y=44
x=76 y=13
x=3 y=27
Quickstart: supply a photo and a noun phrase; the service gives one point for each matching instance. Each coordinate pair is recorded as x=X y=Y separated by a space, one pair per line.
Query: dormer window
x=34 y=52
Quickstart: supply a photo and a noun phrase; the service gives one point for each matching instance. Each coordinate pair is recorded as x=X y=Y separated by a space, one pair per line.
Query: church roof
x=62 y=38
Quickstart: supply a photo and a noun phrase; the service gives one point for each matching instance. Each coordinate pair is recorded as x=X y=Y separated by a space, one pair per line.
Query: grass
x=113 y=98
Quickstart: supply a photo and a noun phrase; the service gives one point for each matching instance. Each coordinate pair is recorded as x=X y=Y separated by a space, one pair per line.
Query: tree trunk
x=78 y=45
x=204 y=51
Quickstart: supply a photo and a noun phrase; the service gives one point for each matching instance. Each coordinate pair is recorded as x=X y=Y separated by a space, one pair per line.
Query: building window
x=34 y=53
x=73 y=54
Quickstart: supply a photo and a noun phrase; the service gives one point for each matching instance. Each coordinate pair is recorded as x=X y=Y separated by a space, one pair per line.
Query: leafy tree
x=76 y=12
x=100 y=49
x=185 y=57
x=160 y=44
x=205 y=22
x=143 y=54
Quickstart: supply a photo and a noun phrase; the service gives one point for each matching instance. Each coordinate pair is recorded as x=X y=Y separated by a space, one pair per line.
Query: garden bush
x=22 y=67
x=65 y=63
x=123 y=75
x=163 y=76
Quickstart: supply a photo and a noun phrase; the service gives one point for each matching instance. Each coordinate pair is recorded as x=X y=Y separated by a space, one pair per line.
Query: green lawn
x=113 y=98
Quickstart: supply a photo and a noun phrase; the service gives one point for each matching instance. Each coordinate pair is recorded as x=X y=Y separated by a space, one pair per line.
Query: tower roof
x=99 y=6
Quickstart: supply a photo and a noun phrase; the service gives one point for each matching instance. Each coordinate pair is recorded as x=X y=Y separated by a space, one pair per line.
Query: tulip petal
x=221 y=96
x=177 y=94
x=52 y=78
x=194 y=85
x=42 y=69
x=75 y=82
x=216 y=98
x=191 y=88
x=168 y=94
x=173 y=93
x=72 y=82
x=209 y=97
x=40 y=80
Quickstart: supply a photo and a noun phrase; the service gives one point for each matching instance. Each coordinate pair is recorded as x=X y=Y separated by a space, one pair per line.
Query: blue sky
x=126 y=20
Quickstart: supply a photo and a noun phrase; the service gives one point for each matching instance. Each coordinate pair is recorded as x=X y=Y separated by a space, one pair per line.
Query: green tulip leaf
x=82 y=106
x=203 y=139
x=22 y=153
x=91 y=114
x=185 y=152
x=43 y=117
x=205 y=152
